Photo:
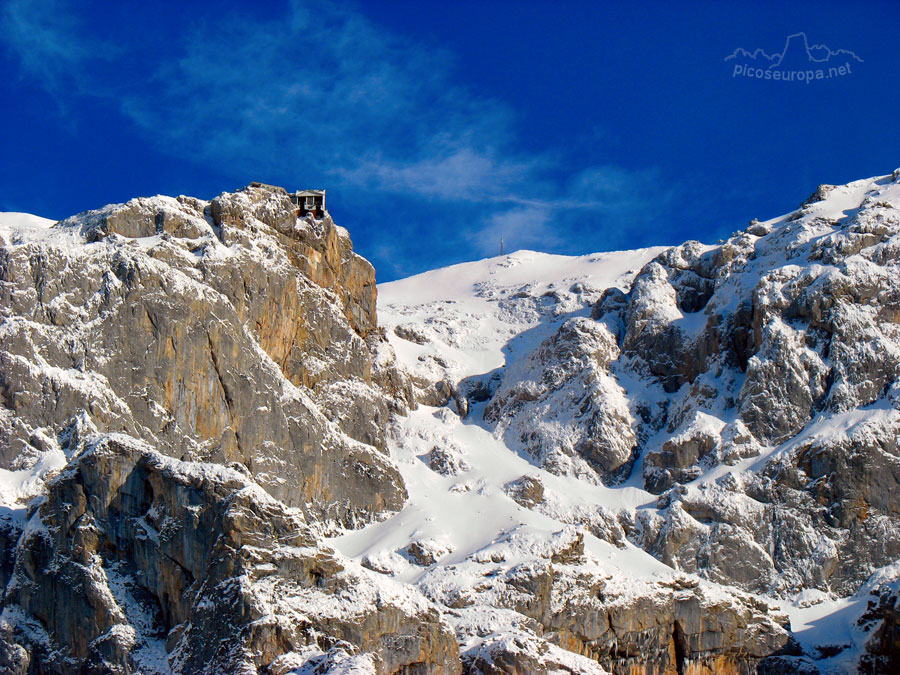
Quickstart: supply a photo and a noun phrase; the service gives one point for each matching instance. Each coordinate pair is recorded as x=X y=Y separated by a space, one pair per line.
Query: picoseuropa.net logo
x=797 y=62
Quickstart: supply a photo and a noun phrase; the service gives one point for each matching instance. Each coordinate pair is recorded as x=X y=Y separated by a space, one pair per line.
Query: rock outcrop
x=881 y=621
x=136 y=562
x=777 y=350
x=624 y=624
x=798 y=322
x=564 y=408
x=196 y=380
x=218 y=332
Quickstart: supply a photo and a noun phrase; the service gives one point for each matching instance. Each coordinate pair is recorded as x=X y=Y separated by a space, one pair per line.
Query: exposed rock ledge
x=133 y=555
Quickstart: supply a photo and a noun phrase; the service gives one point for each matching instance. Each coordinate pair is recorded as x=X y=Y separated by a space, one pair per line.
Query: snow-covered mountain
x=216 y=459
x=727 y=409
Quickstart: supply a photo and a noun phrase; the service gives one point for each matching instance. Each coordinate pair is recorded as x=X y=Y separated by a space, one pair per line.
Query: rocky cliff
x=145 y=348
x=135 y=562
x=777 y=350
x=217 y=331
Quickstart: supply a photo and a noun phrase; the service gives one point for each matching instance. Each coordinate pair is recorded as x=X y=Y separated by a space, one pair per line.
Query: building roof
x=310 y=193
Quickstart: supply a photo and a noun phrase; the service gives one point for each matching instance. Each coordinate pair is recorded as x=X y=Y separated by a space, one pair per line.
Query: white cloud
x=323 y=91
x=325 y=86
x=461 y=174
x=40 y=34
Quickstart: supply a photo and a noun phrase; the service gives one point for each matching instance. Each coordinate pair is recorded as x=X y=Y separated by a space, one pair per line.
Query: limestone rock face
x=527 y=491
x=216 y=332
x=566 y=383
x=196 y=380
x=881 y=621
x=136 y=562
x=761 y=345
x=319 y=249
x=681 y=456
x=623 y=624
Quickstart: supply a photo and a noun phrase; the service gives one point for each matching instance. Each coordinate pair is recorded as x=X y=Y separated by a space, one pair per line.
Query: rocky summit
x=224 y=450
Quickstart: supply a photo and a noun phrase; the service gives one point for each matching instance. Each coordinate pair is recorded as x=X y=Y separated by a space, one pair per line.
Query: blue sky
x=439 y=128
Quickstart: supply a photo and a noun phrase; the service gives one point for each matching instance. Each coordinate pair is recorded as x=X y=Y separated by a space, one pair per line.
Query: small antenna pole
x=501 y=245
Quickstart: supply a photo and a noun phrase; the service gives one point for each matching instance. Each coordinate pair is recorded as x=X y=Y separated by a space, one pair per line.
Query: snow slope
x=24 y=222
x=20 y=228
x=481 y=314
x=473 y=319
x=479 y=320
x=478 y=316
x=466 y=310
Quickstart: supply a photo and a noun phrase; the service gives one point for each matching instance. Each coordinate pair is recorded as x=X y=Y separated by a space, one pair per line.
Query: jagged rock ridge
x=720 y=356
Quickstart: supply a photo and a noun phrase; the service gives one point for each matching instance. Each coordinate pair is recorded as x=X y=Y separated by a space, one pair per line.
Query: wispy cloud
x=322 y=91
x=46 y=40
x=617 y=201
x=325 y=86
x=458 y=172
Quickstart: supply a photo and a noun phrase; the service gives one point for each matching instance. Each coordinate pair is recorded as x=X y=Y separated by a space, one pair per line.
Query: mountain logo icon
x=797 y=61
